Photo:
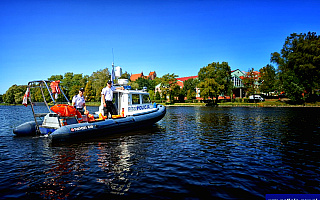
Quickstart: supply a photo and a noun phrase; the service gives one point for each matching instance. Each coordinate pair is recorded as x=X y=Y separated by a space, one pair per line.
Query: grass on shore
x=268 y=103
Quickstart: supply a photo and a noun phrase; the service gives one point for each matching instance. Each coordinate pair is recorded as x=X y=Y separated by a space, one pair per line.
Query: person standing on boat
x=79 y=103
x=107 y=97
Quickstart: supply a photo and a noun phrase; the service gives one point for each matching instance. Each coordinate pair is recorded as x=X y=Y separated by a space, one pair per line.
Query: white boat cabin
x=131 y=102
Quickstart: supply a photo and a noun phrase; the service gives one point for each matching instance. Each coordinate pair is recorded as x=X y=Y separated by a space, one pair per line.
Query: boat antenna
x=112 y=73
x=112 y=58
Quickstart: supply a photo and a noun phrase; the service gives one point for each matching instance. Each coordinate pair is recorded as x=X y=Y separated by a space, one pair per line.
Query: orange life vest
x=65 y=110
x=55 y=87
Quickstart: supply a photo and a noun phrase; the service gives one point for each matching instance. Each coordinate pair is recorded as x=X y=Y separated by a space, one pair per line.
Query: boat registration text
x=81 y=128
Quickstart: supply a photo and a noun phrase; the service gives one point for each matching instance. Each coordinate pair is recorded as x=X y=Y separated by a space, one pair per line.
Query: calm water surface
x=192 y=153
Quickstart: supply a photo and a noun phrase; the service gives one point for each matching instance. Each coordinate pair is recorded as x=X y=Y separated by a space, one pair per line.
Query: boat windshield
x=135 y=99
x=116 y=100
x=145 y=98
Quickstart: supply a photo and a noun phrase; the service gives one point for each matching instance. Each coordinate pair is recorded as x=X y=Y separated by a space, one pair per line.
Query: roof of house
x=235 y=70
x=134 y=77
x=186 y=78
x=180 y=83
x=151 y=73
x=182 y=79
x=255 y=74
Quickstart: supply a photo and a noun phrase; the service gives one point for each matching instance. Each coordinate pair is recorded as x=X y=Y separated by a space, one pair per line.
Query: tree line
x=297 y=75
x=70 y=83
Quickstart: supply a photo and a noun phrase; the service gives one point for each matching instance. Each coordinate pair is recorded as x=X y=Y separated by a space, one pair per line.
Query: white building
x=236 y=78
x=118 y=71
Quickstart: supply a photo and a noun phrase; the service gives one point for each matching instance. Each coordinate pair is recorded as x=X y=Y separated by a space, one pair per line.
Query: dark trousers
x=110 y=108
x=80 y=110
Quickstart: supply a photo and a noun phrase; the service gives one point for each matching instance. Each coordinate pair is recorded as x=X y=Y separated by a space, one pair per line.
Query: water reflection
x=60 y=176
x=103 y=161
x=115 y=162
x=243 y=145
x=192 y=153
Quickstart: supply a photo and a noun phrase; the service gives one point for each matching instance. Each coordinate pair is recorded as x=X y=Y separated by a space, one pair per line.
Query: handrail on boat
x=42 y=84
x=40 y=114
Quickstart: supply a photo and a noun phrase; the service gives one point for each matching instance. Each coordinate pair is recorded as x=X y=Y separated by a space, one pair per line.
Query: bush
x=169 y=103
x=188 y=101
x=238 y=100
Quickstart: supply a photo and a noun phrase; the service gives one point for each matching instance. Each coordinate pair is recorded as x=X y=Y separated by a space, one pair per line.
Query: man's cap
x=109 y=81
x=81 y=89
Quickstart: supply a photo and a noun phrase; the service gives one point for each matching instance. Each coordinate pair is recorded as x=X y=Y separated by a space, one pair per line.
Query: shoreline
x=243 y=105
x=255 y=105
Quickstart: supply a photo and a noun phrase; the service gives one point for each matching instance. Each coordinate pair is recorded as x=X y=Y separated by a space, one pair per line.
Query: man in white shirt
x=78 y=102
x=107 y=97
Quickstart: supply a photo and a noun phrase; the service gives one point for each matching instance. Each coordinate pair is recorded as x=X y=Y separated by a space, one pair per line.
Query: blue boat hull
x=26 y=129
x=107 y=127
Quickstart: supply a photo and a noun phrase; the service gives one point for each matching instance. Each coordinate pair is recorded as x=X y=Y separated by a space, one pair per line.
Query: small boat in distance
x=63 y=122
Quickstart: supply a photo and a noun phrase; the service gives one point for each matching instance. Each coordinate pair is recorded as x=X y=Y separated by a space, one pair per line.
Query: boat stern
x=26 y=129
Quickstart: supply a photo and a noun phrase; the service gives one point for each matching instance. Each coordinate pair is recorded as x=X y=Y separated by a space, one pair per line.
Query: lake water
x=192 y=153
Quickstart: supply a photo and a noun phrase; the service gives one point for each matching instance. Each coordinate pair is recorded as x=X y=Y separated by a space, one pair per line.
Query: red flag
x=25 y=97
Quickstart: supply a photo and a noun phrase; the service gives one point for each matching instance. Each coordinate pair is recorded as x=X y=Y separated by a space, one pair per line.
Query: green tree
x=157 y=81
x=176 y=92
x=88 y=92
x=189 y=88
x=18 y=97
x=299 y=65
x=12 y=94
x=158 y=96
x=9 y=95
x=125 y=75
x=268 y=79
x=71 y=83
x=250 y=82
x=134 y=85
x=55 y=78
x=209 y=88
x=168 y=85
x=77 y=82
x=152 y=95
x=67 y=83
x=191 y=94
x=143 y=82
x=215 y=80
x=36 y=95
x=99 y=80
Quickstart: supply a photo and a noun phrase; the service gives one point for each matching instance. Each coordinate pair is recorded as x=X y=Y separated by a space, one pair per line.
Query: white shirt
x=78 y=101
x=108 y=93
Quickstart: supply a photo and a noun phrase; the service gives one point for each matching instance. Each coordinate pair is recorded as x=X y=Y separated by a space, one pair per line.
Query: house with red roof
x=237 y=80
x=237 y=77
x=134 y=77
x=186 y=78
x=151 y=76
x=182 y=79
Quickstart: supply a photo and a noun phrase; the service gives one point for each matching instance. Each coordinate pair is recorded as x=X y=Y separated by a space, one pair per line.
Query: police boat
x=63 y=122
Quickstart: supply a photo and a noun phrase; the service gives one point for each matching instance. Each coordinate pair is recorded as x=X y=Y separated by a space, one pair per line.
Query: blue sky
x=43 y=38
